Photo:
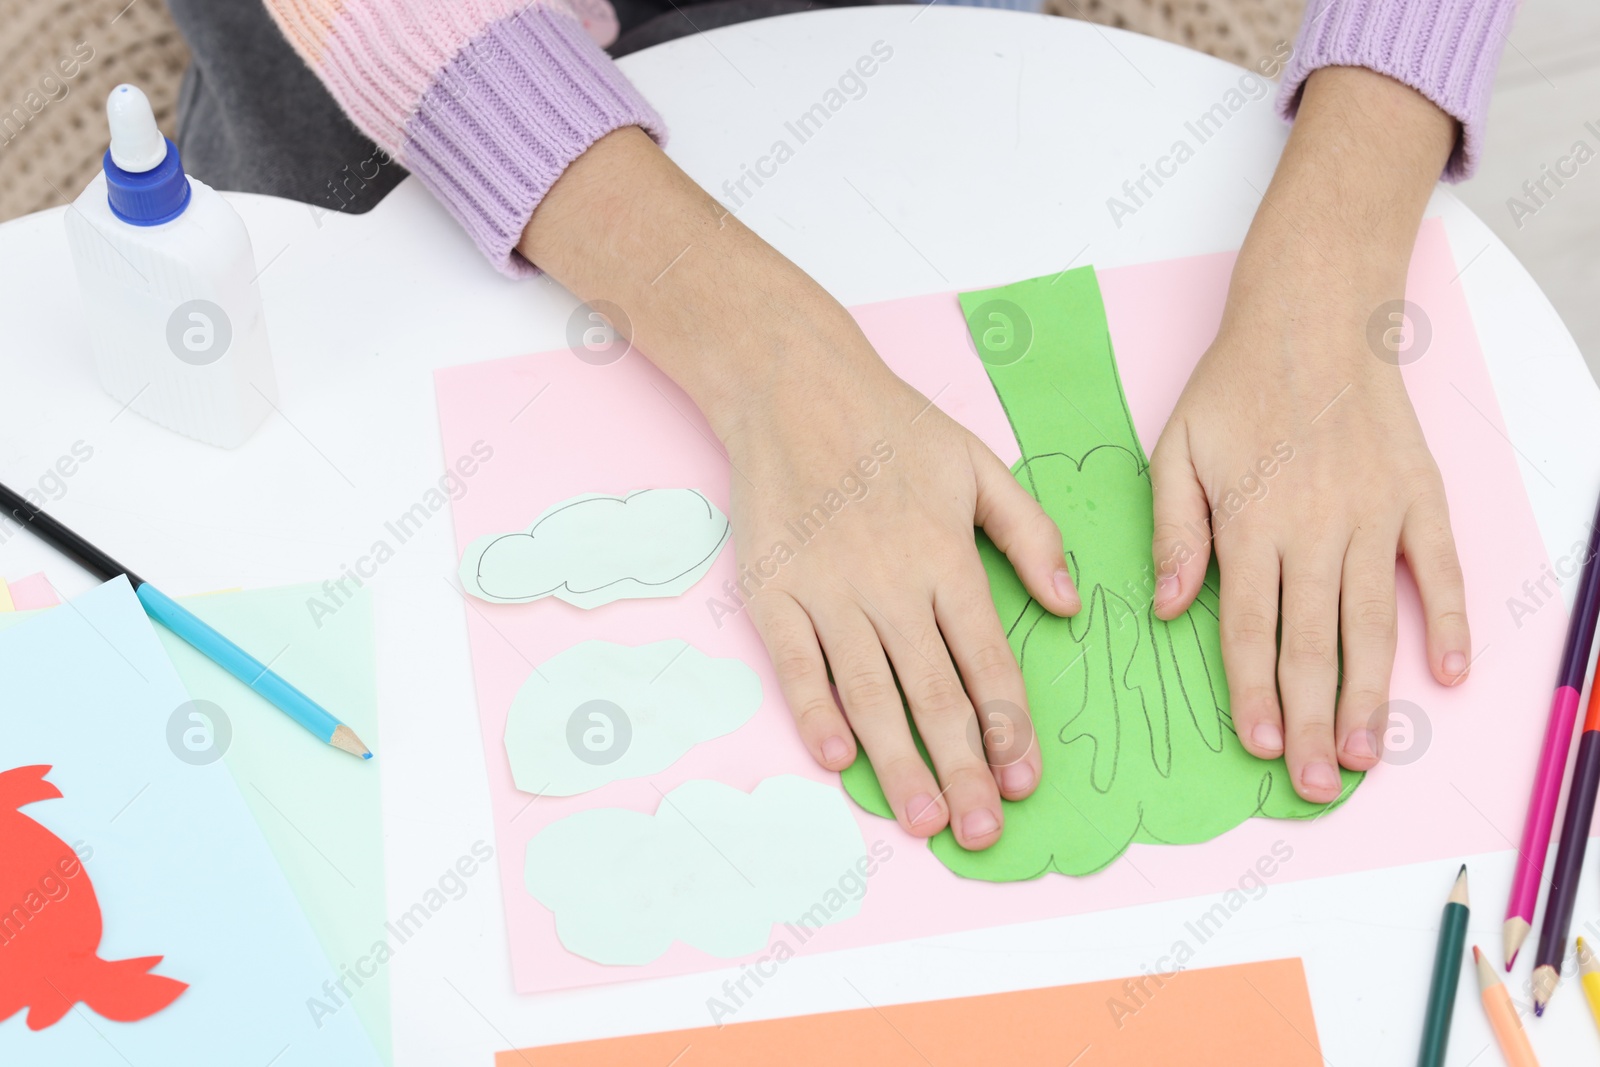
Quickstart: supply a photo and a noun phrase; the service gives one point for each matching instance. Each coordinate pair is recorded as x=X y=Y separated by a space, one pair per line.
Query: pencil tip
x=1477 y=953
x=1462 y=871
x=1545 y=979
x=345 y=740
x=1515 y=932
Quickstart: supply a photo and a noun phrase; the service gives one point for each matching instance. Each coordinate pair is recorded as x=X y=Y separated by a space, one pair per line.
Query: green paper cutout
x=1132 y=712
x=319 y=808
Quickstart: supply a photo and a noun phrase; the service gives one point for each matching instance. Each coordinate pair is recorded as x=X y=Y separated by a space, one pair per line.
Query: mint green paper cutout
x=714 y=867
x=320 y=809
x=1132 y=713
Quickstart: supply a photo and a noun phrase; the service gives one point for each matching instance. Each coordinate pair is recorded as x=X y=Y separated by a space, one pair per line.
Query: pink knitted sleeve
x=485 y=101
x=1447 y=50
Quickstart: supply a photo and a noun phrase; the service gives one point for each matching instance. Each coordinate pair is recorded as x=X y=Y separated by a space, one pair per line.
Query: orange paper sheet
x=1246 y=1015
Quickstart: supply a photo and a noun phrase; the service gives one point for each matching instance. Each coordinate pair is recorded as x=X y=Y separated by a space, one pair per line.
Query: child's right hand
x=886 y=576
x=799 y=399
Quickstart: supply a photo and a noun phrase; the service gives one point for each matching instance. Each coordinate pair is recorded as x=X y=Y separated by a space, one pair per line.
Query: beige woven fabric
x=58 y=61
x=1246 y=32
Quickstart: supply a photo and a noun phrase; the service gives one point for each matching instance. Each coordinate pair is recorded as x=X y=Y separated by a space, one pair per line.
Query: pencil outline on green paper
x=1132 y=711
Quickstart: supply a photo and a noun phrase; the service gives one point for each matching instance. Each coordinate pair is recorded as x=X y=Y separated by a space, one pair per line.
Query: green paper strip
x=319 y=808
x=1131 y=712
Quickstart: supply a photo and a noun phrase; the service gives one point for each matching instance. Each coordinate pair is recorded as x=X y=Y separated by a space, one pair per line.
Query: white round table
x=982 y=150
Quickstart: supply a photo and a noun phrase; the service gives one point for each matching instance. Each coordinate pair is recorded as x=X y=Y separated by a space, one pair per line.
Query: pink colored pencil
x=1553 y=753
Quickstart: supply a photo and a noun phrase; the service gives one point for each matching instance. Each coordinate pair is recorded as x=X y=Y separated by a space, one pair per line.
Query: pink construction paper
x=625 y=426
x=32 y=593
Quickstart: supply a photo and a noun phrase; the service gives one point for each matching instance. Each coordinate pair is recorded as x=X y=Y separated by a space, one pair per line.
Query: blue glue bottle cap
x=145 y=182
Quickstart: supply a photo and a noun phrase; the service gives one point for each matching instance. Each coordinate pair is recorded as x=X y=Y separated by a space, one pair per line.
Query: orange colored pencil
x=1503 y=1016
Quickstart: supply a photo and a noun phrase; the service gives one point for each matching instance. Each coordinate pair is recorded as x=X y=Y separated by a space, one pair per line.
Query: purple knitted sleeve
x=1447 y=50
x=505 y=117
x=485 y=101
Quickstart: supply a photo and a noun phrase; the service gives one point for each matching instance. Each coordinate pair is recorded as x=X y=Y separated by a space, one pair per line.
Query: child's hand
x=854 y=501
x=1300 y=451
x=1301 y=432
x=806 y=409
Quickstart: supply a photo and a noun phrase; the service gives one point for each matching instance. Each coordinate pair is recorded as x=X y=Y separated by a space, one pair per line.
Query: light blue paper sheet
x=178 y=863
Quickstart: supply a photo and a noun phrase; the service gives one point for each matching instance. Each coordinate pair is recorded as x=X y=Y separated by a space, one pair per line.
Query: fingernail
x=1455 y=665
x=979 y=824
x=922 y=809
x=1320 y=777
x=1016 y=778
x=1267 y=736
x=1064 y=587
x=1166 y=588
x=1363 y=744
x=834 y=750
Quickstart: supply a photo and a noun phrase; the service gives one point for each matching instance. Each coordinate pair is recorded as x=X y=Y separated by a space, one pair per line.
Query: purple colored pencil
x=1563 y=895
x=1553 y=753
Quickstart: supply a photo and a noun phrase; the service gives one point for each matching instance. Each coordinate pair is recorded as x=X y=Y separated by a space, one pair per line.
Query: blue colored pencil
x=175 y=617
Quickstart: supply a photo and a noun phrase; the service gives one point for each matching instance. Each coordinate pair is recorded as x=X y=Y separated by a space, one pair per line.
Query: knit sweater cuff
x=1447 y=50
x=503 y=119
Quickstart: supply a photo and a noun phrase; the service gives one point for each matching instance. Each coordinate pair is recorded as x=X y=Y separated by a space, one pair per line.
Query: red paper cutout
x=50 y=924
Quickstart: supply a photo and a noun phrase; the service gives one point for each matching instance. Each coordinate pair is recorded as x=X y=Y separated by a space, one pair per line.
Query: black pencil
x=213 y=645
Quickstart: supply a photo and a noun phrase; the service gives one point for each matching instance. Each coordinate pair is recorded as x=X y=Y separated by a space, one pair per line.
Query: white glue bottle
x=169 y=290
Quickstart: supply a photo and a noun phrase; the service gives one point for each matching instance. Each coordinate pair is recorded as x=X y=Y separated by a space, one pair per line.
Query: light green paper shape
x=594 y=549
x=599 y=712
x=1132 y=713
x=715 y=868
x=320 y=809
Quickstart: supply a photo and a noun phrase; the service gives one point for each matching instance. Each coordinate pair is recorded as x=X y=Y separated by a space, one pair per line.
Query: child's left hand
x=1293 y=370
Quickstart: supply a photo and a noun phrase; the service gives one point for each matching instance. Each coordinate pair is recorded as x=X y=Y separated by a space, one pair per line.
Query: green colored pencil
x=1446 y=973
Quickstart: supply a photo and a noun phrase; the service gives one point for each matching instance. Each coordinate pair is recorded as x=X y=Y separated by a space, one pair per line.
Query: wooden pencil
x=1503 y=1018
x=1589 y=976
x=1562 y=896
x=1446 y=974
x=1552 y=765
x=191 y=628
